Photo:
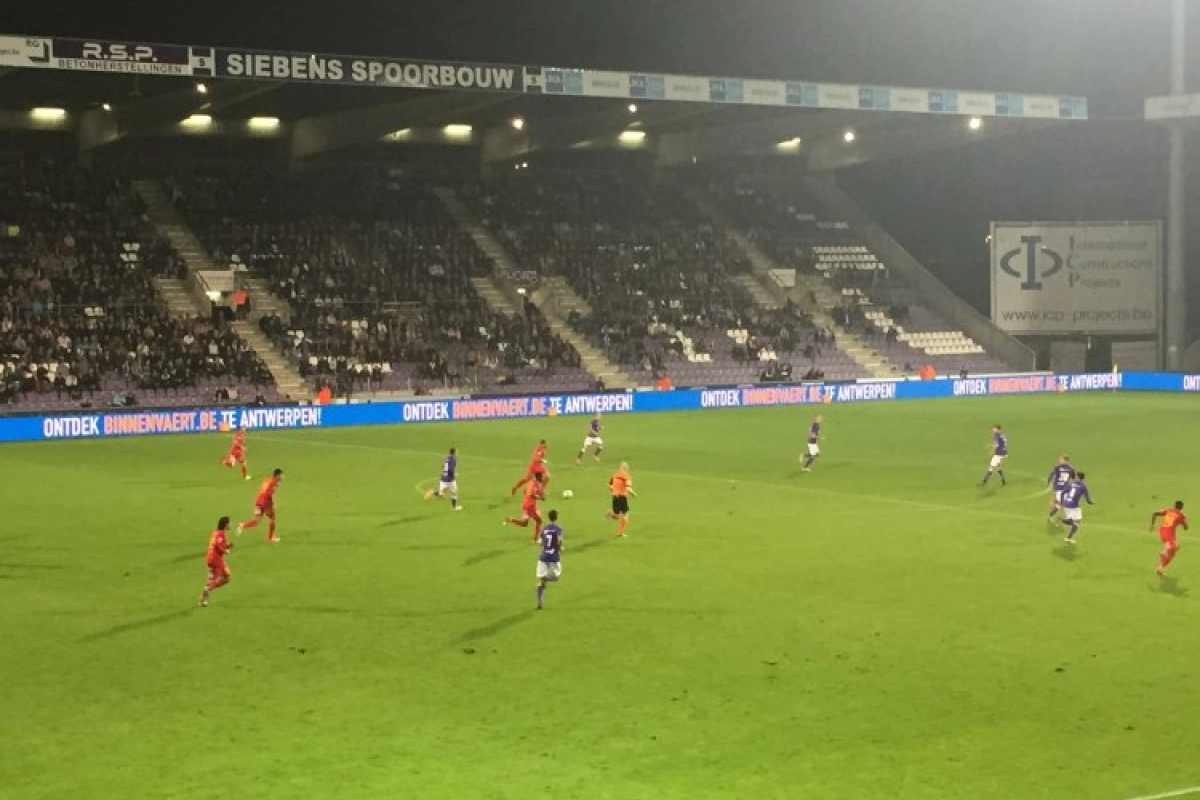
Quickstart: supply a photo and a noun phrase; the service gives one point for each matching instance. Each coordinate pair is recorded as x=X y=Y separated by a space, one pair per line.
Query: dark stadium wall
x=940 y=205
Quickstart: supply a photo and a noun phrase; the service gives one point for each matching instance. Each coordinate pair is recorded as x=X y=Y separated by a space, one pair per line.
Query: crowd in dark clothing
x=374 y=271
x=642 y=259
x=78 y=303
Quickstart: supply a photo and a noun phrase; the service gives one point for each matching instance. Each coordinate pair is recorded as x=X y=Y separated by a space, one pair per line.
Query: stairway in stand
x=768 y=294
x=554 y=297
x=287 y=377
x=185 y=297
x=180 y=299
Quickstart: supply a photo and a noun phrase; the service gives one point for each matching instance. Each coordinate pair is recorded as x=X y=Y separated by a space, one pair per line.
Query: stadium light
x=633 y=108
x=849 y=136
x=789 y=145
x=632 y=137
x=106 y=106
x=457 y=131
x=518 y=123
x=975 y=123
x=48 y=114
x=201 y=88
x=263 y=123
x=196 y=122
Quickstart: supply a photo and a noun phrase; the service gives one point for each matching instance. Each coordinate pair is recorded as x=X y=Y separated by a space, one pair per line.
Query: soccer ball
x=568 y=494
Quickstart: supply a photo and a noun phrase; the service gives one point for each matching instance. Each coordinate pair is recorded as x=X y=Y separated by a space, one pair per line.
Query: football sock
x=541 y=593
x=524 y=523
x=986 y=476
x=250 y=523
x=1167 y=557
x=1003 y=482
x=1074 y=530
x=1053 y=511
x=245 y=473
x=621 y=523
x=271 y=530
x=454 y=501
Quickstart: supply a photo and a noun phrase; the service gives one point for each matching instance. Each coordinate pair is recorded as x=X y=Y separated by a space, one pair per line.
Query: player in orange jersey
x=537 y=466
x=237 y=453
x=529 y=510
x=218 y=570
x=621 y=486
x=264 y=506
x=1172 y=519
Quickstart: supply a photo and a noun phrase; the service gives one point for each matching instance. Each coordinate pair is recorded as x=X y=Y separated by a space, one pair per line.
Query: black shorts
x=620 y=505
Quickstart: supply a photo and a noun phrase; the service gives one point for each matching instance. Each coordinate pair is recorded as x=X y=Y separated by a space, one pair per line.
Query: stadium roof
x=320 y=117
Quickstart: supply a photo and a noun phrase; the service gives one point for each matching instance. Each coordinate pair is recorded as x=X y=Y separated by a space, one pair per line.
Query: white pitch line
x=712 y=479
x=1165 y=795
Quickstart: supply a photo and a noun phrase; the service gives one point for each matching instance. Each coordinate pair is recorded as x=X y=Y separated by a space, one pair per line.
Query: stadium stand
x=80 y=321
x=658 y=279
x=377 y=278
x=791 y=227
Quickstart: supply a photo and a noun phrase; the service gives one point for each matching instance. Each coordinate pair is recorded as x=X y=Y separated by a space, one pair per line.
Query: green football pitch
x=879 y=628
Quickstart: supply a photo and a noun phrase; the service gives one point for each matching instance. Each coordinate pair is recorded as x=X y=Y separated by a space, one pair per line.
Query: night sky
x=1113 y=51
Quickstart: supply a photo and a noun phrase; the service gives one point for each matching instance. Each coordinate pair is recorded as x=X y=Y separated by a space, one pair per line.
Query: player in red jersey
x=264 y=506
x=237 y=453
x=537 y=466
x=218 y=570
x=529 y=509
x=1171 y=518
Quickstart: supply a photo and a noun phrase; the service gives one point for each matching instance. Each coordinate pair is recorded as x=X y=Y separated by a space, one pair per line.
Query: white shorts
x=1072 y=514
x=443 y=486
x=592 y=441
x=549 y=569
x=997 y=461
x=814 y=449
x=1058 y=494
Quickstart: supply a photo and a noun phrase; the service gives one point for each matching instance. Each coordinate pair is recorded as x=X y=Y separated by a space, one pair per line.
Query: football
x=568 y=494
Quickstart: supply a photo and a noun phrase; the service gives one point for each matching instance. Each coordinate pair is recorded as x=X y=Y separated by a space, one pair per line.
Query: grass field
x=879 y=628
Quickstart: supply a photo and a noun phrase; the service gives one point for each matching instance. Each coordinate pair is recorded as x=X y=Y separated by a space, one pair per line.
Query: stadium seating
x=657 y=277
x=80 y=319
x=790 y=227
x=377 y=277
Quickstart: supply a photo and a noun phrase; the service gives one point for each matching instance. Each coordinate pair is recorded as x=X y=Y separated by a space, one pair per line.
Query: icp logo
x=1031 y=279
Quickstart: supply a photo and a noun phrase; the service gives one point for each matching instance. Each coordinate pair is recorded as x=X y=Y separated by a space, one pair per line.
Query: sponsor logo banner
x=1053 y=278
x=206 y=61
x=466 y=409
x=314 y=68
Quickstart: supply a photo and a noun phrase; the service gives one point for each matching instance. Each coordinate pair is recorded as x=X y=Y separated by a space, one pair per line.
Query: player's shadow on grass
x=486 y=555
x=31 y=566
x=1067 y=552
x=395 y=523
x=1171 y=586
x=137 y=625
x=588 y=545
x=493 y=628
x=185 y=557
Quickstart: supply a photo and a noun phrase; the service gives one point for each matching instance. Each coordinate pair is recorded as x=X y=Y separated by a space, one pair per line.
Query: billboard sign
x=1067 y=278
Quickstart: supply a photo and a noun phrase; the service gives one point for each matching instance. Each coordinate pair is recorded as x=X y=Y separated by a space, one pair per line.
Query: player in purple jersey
x=448 y=482
x=593 y=440
x=814 y=443
x=1061 y=475
x=999 y=453
x=1072 y=510
x=549 y=566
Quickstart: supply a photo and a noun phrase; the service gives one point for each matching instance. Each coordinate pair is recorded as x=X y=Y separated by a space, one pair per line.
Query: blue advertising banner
x=109 y=424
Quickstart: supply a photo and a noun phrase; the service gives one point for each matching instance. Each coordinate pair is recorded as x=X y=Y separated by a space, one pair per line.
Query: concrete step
x=180 y=300
x=494 y=296
x=287 y=377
